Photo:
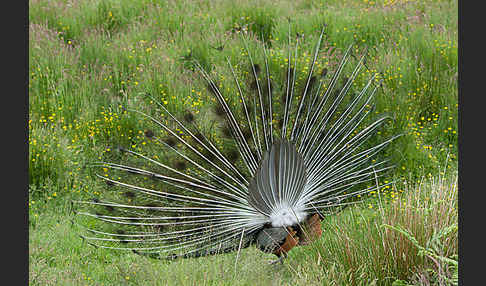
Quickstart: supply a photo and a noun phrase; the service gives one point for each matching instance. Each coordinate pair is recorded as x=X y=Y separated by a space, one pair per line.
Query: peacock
x=263 y=167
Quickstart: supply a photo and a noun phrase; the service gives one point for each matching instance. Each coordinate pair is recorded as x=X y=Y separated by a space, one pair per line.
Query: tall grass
x=413 y=239
x=410 y=241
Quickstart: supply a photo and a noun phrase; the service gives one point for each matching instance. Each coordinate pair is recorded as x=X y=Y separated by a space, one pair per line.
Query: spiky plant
x=295 y=159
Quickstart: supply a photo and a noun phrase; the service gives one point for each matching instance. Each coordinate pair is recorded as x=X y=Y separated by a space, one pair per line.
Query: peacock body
x=297 y=157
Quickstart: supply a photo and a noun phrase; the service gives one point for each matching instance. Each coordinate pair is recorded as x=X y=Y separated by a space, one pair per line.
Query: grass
x=412 y=241
x=88 y=60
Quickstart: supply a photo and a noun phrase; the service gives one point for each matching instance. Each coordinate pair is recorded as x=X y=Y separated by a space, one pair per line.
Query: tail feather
x=277 y=184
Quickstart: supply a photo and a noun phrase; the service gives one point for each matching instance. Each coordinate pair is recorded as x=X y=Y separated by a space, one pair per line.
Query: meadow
x=88 y=60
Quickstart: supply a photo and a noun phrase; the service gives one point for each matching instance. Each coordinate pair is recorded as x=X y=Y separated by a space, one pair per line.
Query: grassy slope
x=88 y=58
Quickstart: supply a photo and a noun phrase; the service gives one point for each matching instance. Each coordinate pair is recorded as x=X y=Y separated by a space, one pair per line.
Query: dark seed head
x=149 y=133
x=218 y=110
x=129 y=194
x=170 y=141
x=324 y=72
x=254 y=85
x=189 y=117
x=180 y=165
x=233 y=156
x=226 y=131
x=257 y=68
x=312 y=81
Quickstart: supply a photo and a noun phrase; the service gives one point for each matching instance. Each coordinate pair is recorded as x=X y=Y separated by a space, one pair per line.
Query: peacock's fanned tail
x=281 y=154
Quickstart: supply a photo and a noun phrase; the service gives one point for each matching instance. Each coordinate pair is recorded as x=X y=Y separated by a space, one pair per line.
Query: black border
x=16 y=75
